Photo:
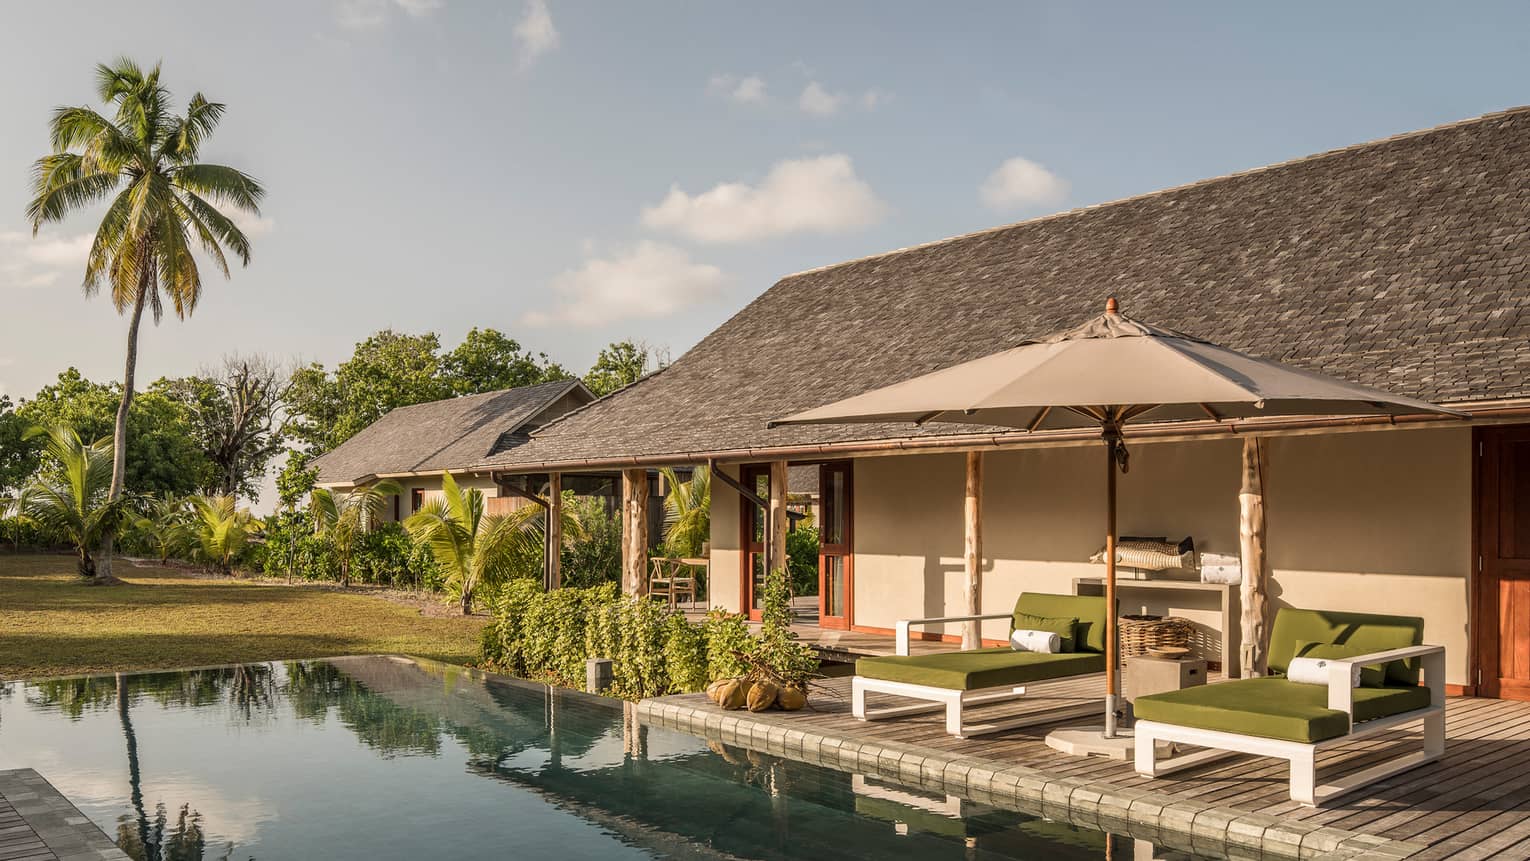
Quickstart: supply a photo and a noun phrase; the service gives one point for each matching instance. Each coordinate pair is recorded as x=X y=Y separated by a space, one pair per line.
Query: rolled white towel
x=1046 y=642
x=1314 y=671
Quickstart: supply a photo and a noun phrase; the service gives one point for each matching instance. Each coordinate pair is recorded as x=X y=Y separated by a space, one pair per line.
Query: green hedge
x=654 y=650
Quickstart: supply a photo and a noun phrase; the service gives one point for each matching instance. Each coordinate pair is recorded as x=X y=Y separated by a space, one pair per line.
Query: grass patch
x=52 y=624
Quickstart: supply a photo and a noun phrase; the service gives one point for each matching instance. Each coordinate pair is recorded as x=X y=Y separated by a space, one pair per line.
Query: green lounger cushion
x=1089 y=610
x=1273 y=707
x=979 y=668
x=1367 y=632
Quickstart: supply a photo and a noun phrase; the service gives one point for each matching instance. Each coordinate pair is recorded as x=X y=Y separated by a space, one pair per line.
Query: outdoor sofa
x=1275 y=716
x=954 y=680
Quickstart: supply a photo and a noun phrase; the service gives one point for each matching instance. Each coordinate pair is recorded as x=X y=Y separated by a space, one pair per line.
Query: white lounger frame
x=1303 y=757
x=952 y=701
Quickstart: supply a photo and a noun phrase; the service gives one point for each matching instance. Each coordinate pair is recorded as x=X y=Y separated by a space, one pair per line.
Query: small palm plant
x=473 y=548
x=222 y=529
x=345 y=518
x=687 y=511
x=165 y=522
x=69 y=498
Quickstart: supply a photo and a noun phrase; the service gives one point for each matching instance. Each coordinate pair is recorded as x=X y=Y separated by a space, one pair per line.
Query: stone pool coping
x=68 y=834
x=1183 y=824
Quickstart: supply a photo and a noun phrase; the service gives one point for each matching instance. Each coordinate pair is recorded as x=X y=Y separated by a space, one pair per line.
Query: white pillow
x=1046 y=642
x=1314 y=671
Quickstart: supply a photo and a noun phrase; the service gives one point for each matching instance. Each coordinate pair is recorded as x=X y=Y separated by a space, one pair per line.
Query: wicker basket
x=1139 y=633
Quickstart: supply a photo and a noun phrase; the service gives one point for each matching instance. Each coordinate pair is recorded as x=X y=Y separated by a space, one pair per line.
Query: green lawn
x=51 y=624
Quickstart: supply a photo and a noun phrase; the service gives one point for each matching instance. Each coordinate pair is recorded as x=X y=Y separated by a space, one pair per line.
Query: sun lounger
x=954 y=680
x=1275 y=716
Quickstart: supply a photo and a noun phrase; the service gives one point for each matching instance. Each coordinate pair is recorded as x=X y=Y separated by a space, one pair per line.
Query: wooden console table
x=1226 y=593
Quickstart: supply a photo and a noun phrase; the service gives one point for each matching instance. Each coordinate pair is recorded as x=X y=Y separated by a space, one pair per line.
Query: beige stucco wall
x=726 y=555
x=432 y=487
x=1376 y=521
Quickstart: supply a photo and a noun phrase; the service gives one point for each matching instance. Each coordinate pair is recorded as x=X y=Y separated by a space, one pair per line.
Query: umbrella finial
x=1111 y=306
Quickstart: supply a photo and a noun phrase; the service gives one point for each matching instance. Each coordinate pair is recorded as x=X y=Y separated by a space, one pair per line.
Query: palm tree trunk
x=119 y=434
x=467 y=602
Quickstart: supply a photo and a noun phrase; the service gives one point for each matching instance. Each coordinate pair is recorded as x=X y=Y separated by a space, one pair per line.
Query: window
x=416 y=499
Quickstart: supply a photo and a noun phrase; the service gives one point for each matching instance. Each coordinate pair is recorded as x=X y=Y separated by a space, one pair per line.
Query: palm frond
x=220 y=184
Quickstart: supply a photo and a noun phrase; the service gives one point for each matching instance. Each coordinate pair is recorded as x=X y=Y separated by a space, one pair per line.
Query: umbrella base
x=1091 y=741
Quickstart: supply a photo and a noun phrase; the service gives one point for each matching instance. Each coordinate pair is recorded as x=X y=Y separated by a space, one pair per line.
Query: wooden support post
x=1254 y=654
x=635 y=531
x=554 y=530
x=973 y=550
x=776 y=554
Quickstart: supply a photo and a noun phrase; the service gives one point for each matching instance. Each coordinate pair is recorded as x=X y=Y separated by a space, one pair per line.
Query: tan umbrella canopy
x=1105 y=373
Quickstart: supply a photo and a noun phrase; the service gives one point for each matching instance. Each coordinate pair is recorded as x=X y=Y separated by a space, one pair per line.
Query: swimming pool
x=391 y=758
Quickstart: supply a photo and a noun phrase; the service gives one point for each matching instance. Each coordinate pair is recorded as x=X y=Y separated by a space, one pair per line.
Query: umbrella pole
x=1112 y=660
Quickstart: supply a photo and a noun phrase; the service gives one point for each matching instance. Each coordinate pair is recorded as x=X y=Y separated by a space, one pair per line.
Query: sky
x=573 y=173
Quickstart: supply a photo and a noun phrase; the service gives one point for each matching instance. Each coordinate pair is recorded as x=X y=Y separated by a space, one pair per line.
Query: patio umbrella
x=1108 y=372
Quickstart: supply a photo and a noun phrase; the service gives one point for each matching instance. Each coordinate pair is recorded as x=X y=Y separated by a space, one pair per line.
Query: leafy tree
x=70 y=497
x=222 y=529
x=343 y=518
x=619 y=364
x=163 y=455
x=161 y=203
x=388 y=370
x=237 y=417
x=470 y=547
x=487 y=361
x=18 y=456
x=687 y=511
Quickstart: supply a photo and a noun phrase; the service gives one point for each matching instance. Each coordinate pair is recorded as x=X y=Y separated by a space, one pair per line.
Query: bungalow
x=414 y=445
x=1403 y=263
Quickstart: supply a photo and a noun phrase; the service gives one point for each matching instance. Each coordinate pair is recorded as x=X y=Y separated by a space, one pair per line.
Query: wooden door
x=1503 y=581
x=756 y=477
x=836 y=561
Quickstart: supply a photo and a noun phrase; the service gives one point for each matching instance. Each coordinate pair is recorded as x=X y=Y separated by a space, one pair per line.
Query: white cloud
x=875 y=98
x=646 y=280
x=810 y=195
x=30 y=262
x=420 y=8
x=535 y=35
x=252 y=225
x=1020 y=182
x=374 y=14
x=818 y=101
x=748 y=90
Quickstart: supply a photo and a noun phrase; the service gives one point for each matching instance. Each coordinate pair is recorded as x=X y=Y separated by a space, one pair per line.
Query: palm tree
x=69 y=497
x=687 y=511
x=346 y=518
x=471 y=547
x=222 y=529
x=160 y=204
x=166 y=521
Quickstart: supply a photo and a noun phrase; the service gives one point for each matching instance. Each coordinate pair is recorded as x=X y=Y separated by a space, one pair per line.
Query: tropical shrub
x=727 y=639
x=802 y=559
x=382 y=555
x=222 y=530
x=470 y=547
x=778 y=651
x=162 y=527
x=595 y=556
x=687 y=512
x=344 y=518
x=69 y=497
x=548 y=636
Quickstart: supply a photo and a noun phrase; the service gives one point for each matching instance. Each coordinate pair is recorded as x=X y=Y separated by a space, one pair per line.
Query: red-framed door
x=756 y=477
x=1503 y=545
x=836 y=556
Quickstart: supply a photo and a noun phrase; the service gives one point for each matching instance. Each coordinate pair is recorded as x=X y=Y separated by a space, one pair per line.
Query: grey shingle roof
x=1400 y=263
x=451 y=434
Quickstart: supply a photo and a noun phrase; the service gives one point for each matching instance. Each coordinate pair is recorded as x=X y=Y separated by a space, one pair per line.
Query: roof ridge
x=1078 y=210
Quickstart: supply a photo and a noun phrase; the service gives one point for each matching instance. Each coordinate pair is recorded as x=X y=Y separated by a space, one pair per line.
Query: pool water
x=389 y=758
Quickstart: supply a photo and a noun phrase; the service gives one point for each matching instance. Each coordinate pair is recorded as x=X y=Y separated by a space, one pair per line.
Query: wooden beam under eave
x=554 y=530
x=972 y=529
x=778 y=520
x=1254 y=592
x=635 y=531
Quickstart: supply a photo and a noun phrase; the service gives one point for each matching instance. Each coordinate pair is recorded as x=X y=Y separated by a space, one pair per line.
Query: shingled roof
x=1400 y=263
x=452 y=434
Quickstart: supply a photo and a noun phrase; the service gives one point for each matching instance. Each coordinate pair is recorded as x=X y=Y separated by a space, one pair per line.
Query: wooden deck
x=1472 y=804
x=37 y=823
